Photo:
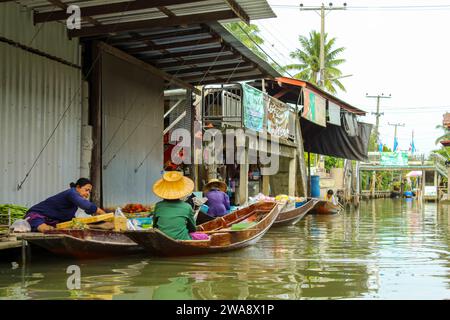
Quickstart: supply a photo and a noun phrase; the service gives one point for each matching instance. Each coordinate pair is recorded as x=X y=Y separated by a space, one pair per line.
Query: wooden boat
x=325 y=207
x=288 y=217
x=222 y=238
x=85 y=244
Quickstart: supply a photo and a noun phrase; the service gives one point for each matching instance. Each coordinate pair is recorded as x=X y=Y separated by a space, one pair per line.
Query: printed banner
x=334 y=113
x=253 y=103
x=277 y=118
x=394 y=159
x=314 y=108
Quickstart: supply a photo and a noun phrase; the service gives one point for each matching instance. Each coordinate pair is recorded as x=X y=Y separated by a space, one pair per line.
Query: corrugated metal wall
x=133 y=110
x=34 y=93
x=16 y=24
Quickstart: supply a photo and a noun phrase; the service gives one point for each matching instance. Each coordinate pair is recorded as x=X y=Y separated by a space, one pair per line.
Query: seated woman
x=218 y=200
x=173 y=216
x=62 y=207
x=330 y=197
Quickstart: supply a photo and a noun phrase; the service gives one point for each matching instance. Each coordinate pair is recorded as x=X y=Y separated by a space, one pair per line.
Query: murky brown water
x=388 y=249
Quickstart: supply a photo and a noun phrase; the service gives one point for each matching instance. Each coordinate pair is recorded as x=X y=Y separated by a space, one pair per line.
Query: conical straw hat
x=173 y=185
x=215 y=183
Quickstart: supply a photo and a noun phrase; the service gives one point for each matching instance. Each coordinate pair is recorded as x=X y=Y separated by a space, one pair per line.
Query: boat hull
x=86 y=244
x=323 y=207
x=157 y=243
x=291 y=217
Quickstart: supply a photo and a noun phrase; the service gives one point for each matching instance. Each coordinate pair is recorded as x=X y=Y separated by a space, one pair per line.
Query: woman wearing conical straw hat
x=172 y=216
x=218 y=200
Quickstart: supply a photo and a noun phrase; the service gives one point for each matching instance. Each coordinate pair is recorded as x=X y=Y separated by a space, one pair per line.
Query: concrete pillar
x=243 y=178
x=292 y=175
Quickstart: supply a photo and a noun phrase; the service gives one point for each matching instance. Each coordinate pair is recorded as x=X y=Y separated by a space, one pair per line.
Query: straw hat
x=215 y=183
x=173 y=185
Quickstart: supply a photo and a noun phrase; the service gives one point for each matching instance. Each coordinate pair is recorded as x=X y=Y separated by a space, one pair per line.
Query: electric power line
x=251 y=39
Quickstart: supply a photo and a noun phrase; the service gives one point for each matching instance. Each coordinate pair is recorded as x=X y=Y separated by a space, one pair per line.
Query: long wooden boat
x=222 y=238
x=85 y=244
x=325 y=207
x=288 y=217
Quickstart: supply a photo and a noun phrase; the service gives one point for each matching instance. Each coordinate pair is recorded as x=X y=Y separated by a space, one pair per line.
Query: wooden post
x=309 y=174
x=448 y=183
x=292 y=174
x=95 y=99
x=436 y=185
x=423 y=183
x=266 y=185
x=372 y=187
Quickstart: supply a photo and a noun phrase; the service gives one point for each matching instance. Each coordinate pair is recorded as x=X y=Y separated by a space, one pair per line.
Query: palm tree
x=248 y=35
x=445 y=136
x=309 y=61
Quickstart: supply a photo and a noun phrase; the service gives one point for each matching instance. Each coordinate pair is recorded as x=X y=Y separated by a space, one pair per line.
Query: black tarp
x=334 y=141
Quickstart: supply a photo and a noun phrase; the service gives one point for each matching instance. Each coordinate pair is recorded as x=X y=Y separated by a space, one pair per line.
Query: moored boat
x=325 y=207
x=222 y=235
x=85 y=244
x=292 y=216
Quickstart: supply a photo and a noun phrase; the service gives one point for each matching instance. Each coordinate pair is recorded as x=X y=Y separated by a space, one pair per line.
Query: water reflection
x=385 y=249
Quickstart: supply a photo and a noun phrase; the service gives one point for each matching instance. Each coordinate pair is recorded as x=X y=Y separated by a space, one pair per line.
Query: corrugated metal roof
x=213 y=54
x=255 y=9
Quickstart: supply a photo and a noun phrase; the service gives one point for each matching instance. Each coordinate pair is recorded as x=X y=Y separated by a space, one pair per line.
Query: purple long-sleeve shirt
x=218 y=203
x=63 y=206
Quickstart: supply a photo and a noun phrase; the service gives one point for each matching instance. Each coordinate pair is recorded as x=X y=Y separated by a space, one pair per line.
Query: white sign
x=430 y=191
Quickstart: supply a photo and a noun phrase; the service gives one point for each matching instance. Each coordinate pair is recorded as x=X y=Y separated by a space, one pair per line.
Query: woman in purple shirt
x=62 y=207
x=218 y=200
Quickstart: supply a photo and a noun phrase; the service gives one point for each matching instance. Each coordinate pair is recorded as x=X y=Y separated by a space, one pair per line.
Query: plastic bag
x=82 y=214
x=21 y=225
x=119 y=213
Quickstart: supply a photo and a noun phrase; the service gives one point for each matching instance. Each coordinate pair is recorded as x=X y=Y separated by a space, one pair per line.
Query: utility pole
x=395 y=131
x=322 y=9
x=378 y=114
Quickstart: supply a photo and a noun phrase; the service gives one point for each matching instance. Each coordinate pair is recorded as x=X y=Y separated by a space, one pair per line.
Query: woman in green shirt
x=172 y=216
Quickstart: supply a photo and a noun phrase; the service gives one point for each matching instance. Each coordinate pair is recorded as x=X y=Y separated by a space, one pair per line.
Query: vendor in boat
x=62 y=207
x=173 y=216
x=330 y=197
x=218 y=200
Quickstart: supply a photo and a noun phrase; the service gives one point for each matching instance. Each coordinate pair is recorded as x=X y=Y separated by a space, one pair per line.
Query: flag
x=395 y=144
x=412 y=147
x=380 y=145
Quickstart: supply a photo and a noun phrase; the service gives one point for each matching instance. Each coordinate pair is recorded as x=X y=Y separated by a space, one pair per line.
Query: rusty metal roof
x=446 y=121
x=285 y=88
x=180 y=37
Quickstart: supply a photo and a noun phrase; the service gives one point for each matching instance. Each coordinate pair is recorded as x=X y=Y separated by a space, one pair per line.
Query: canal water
x=388 y=249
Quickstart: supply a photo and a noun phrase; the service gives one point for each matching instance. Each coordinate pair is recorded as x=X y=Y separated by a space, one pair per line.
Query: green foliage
x=308 y=65
x=444 y=151
x=332 y=162
x=248 y=35
x=444 y=136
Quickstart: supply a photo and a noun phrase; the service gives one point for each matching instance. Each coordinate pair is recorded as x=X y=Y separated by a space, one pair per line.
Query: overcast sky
x=404 y=52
